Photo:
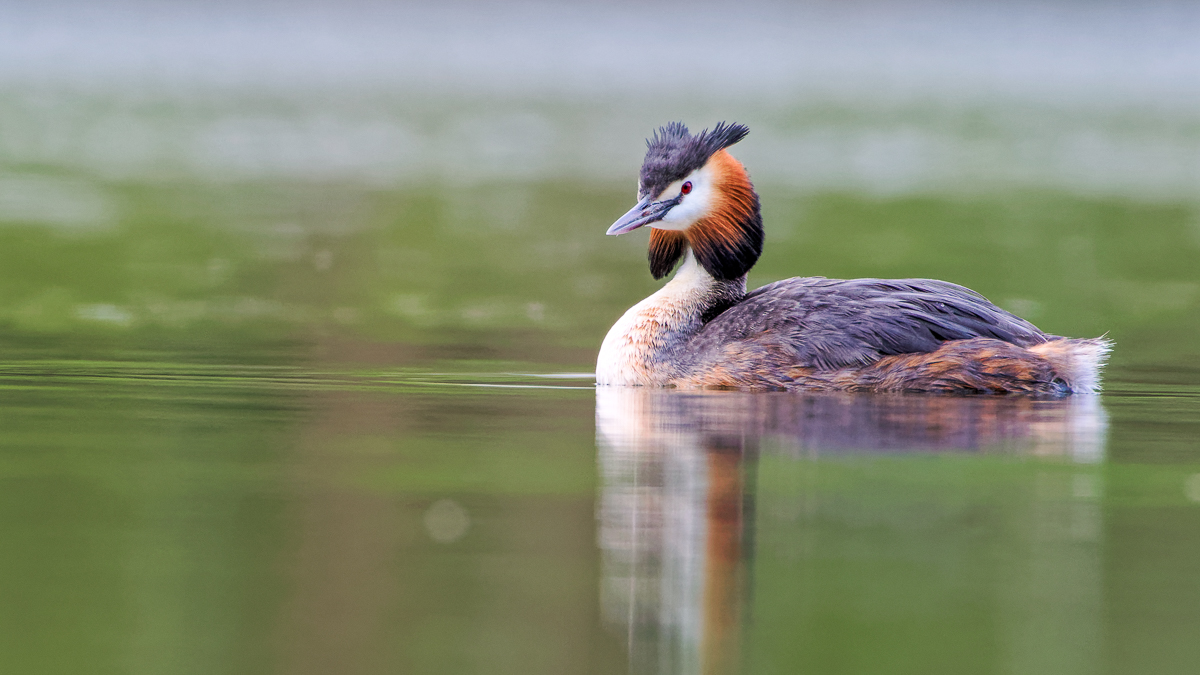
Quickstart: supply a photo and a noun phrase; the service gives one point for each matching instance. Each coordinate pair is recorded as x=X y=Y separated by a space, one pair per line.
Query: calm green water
x=161 y=517
x=297 y=317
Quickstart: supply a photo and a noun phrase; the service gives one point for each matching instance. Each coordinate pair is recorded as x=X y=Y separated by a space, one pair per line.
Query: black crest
x=674 y=152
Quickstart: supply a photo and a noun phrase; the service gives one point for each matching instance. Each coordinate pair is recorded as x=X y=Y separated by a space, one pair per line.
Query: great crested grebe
x=703 y=330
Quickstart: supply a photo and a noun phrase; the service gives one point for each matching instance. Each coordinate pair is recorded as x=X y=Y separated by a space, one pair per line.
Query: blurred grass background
x=398 y=183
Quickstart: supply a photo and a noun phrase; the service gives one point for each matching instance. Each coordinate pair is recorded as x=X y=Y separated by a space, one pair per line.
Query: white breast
x=638 y=346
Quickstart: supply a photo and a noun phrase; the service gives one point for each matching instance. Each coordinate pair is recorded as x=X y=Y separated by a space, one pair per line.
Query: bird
x=703 y=330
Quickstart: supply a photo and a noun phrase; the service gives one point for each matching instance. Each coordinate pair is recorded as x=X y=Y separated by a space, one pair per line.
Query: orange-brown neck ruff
x=728 y=240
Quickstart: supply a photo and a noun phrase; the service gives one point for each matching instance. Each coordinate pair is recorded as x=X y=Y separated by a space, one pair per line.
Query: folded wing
x=827 y=324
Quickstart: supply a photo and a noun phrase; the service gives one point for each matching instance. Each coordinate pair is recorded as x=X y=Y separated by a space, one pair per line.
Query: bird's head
x=694 y=194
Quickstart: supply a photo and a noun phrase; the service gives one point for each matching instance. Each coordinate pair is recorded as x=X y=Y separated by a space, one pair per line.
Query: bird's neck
x=646 y=345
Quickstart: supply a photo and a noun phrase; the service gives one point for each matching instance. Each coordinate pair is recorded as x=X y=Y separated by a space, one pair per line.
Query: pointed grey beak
x=647 y=211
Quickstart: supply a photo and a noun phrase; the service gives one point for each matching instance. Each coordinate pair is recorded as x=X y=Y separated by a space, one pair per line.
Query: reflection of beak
x=647 y=211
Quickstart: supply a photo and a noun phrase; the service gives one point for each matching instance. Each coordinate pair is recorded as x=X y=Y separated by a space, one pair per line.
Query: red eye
x=687 y=187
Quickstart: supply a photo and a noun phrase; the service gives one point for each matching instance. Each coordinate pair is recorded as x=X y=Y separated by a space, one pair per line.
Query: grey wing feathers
x=830 y=323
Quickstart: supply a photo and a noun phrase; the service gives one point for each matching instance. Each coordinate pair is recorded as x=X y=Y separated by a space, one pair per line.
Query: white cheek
x=695 y=204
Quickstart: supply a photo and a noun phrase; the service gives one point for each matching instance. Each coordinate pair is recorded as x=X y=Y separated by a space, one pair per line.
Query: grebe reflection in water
x=678 y=497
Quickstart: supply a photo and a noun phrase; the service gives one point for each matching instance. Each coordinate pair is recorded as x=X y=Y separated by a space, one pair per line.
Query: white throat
x=640 y=347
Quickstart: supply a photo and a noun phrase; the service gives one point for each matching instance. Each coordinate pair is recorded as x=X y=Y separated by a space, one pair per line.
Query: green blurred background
x=186 y=176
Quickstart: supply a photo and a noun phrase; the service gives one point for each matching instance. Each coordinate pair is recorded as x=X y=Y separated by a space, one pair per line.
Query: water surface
x=200 y=519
